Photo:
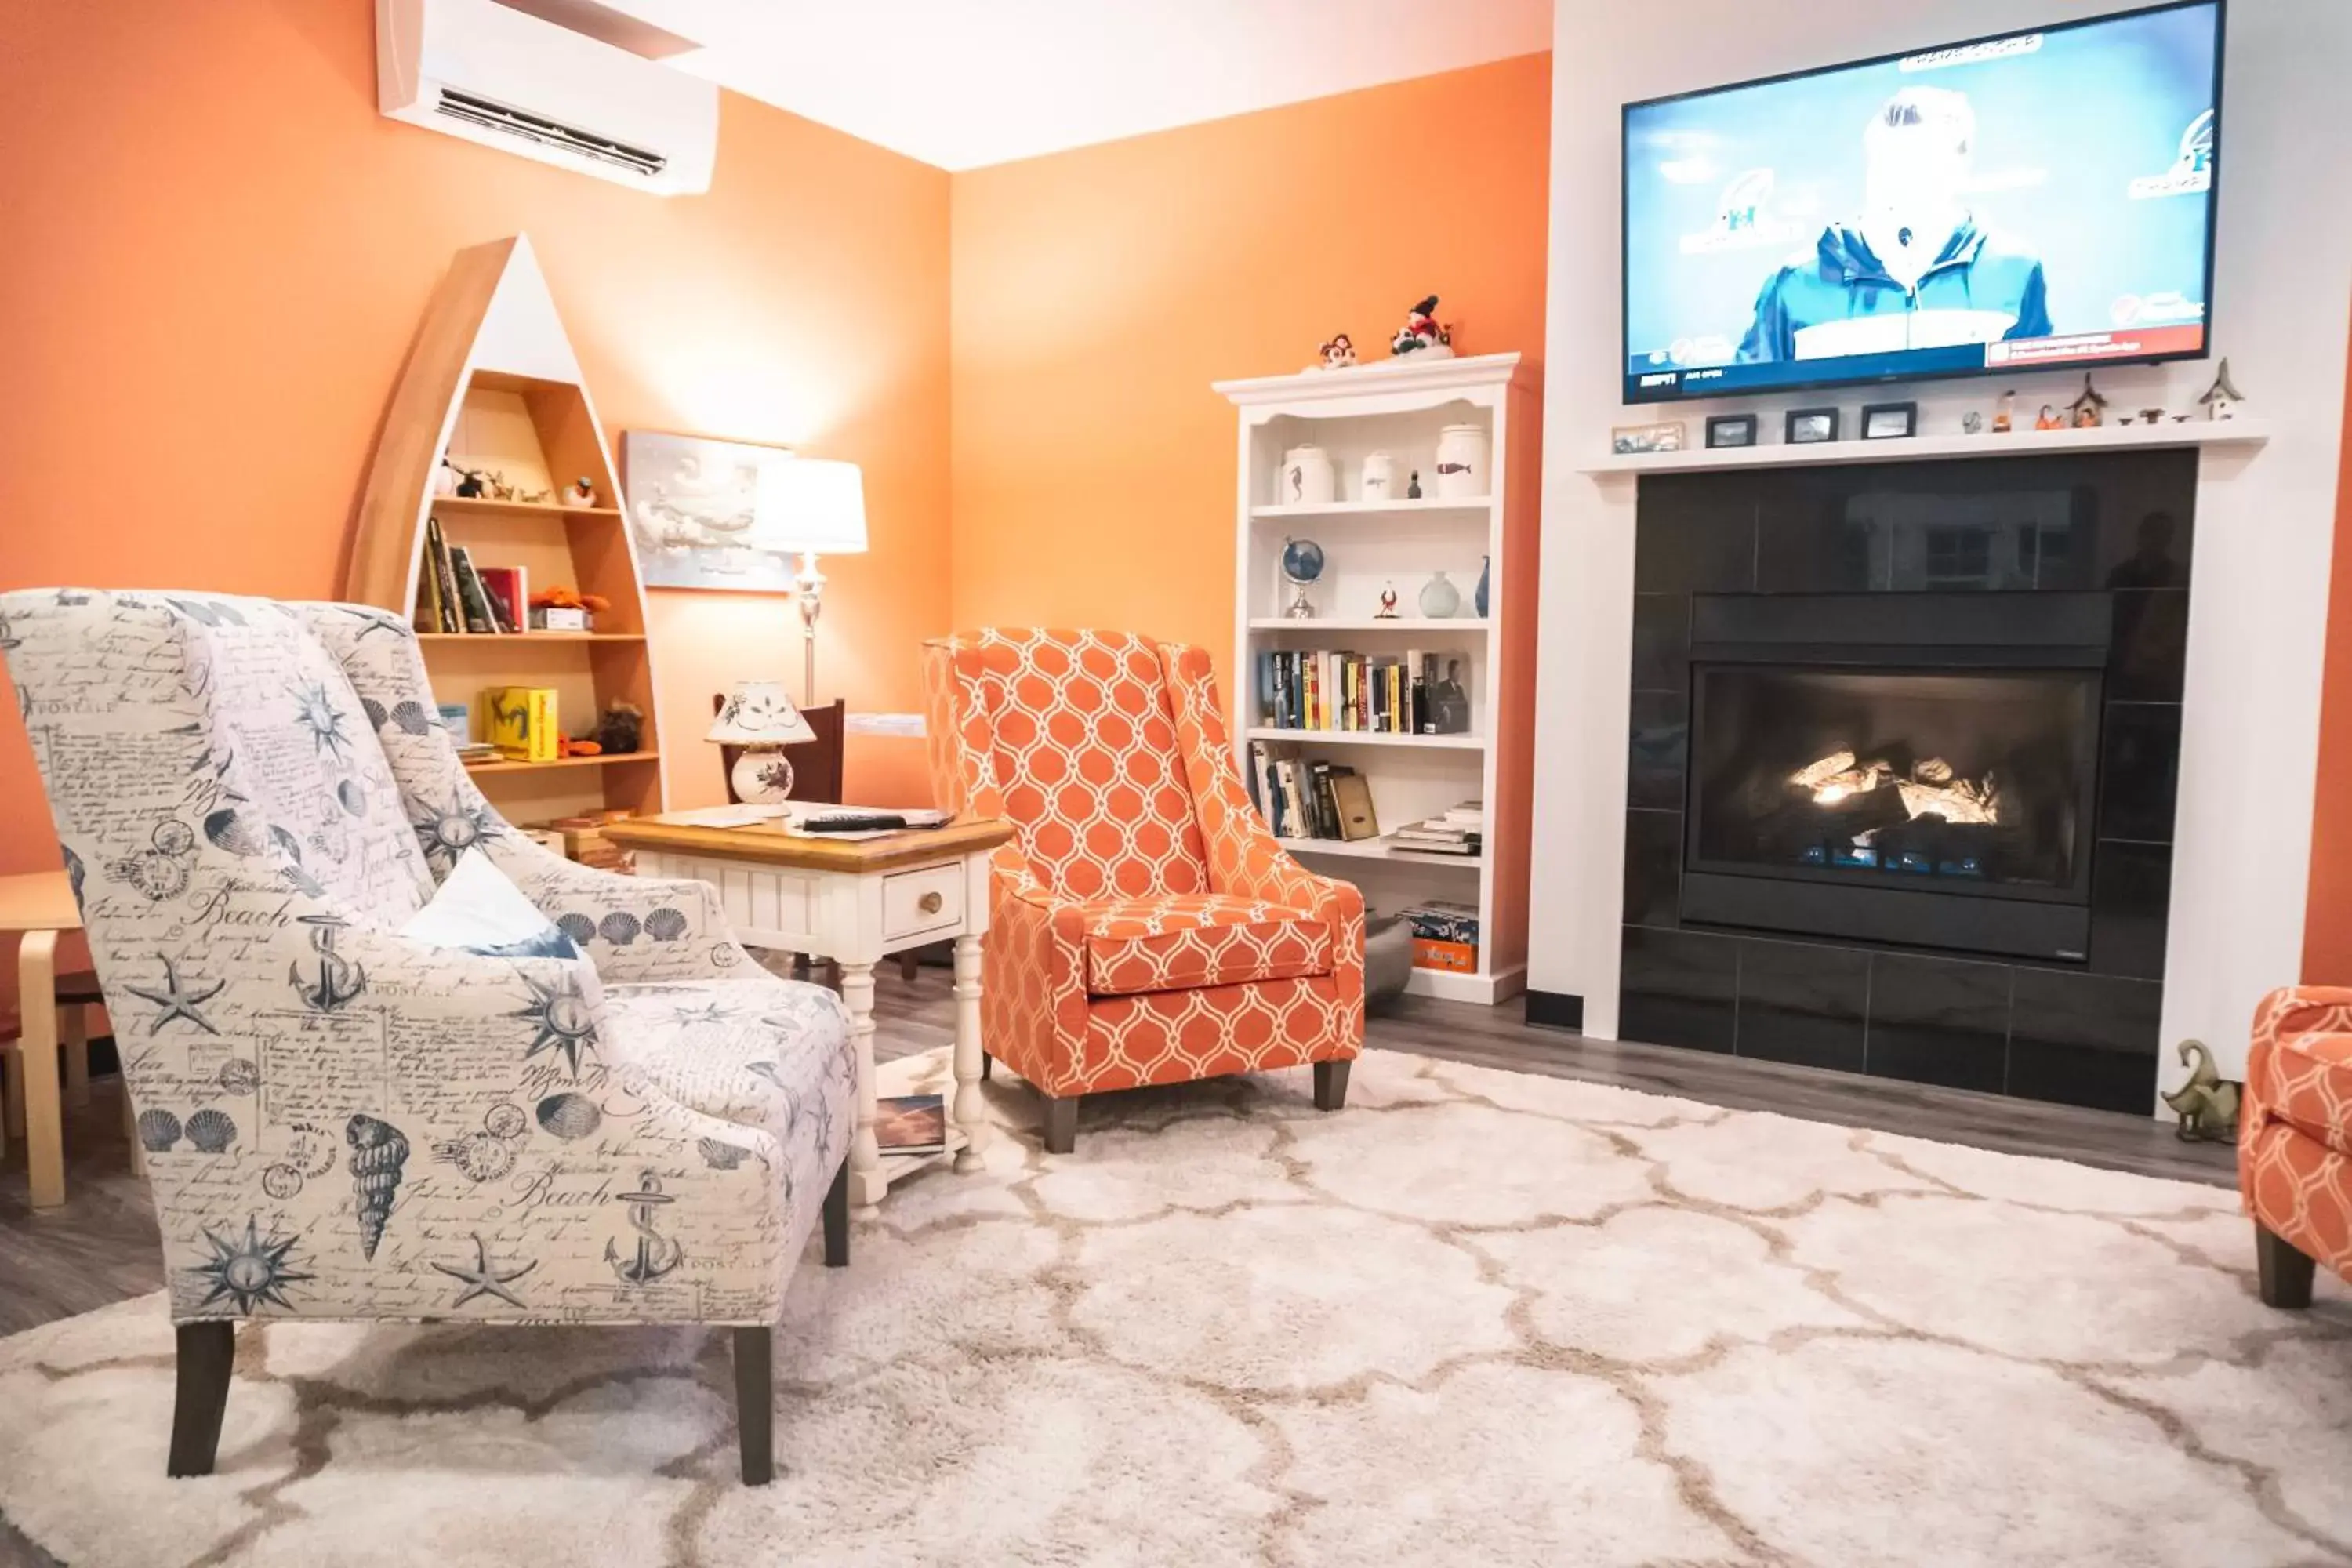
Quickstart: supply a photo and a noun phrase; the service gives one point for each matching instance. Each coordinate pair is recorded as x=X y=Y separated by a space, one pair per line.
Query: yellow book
x=521 y=722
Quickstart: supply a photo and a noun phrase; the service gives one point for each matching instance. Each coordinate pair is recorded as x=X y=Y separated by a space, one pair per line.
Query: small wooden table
x=41 y=905
x=854 y=901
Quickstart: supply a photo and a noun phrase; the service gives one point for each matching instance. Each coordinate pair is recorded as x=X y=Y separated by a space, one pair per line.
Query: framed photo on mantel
x=690 y=500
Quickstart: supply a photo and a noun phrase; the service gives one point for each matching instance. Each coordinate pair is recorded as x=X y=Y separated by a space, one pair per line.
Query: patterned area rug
x=1477 y=1317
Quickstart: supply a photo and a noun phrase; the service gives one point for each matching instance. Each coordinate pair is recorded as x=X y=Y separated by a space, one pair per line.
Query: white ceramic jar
x=1307 y=478
x=1379 y=481
x=1462 y=463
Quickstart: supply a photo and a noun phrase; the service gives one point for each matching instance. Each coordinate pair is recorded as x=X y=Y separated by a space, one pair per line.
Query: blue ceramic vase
x=1478 y=599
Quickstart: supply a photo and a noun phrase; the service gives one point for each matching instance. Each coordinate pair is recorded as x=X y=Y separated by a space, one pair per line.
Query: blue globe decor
x=1302 y=563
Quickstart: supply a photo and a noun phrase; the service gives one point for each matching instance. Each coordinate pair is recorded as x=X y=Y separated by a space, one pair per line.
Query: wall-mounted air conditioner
x=490 y=74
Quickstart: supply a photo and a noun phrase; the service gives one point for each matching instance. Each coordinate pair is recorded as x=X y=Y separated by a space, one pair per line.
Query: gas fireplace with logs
x=1901 y=765
x=1936 y=791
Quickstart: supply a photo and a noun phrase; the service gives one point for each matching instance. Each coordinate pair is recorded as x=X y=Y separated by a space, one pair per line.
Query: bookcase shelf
x=619 y=759
x=483 y=506
x=1385 y=848
x=492 y=382
x=1374 y=546
x=1368 y=738
x=507 y=641
x=1470 y=507
x=1421 y=624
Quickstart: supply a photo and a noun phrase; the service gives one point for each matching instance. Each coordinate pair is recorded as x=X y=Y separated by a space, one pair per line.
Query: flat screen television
x=2026 y=201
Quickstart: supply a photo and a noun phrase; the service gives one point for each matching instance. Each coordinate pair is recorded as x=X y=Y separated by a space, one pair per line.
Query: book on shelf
x=1444 y=935
x=911 y=1124
x=473 y=604
x=1458 y=830
x=1340 y=691
x=441 y=583
x=1303 y=798
x=523 y=723
x=508 y=590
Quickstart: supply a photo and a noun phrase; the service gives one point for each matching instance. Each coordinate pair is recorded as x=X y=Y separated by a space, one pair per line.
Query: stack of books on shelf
x=1461 y=830
x=1334 y=689
x=1302 y=799
x=455 y=596
x=585 y=841
x=1444 y=936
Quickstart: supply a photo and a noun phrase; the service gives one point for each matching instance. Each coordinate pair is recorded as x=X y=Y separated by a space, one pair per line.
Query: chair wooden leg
x=206 y=1353
x=987 y=1067
x=73 y=1034
x=130 y=1127
x=911 y=964
x=2285 y=1272
x=1061 y=1123
x=755 y=1398
x=12 y=1084
x=836 y=1218
x=1330 y=1085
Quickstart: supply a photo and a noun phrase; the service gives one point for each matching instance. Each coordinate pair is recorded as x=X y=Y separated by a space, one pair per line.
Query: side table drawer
x=916 y=901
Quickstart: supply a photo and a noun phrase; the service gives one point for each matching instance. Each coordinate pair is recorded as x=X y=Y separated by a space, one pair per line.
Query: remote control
x=850 y=820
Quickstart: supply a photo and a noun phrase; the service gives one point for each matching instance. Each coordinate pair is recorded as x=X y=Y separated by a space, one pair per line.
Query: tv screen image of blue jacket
x=1839 y=300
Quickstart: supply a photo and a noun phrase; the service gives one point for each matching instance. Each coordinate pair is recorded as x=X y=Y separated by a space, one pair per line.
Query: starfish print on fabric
x=566 y=1022
x=250 y=1272
x=315 y=713
x=178 y=1001
x=483 y=1279
x=706 y=1012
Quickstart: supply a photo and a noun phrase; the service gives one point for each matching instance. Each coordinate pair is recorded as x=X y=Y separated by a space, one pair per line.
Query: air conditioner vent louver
x=511 y=122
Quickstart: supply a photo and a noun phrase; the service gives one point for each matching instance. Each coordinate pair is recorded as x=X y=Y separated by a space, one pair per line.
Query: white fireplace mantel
x=2246 y=433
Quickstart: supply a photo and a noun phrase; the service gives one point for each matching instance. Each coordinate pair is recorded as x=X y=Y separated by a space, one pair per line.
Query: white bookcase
x=1398 y=406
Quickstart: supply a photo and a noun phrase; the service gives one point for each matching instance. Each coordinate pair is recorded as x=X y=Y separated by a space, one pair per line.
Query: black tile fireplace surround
x=1901 y=768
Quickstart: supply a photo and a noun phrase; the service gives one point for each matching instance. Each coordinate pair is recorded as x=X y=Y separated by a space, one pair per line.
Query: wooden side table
x=854 y=901
x=40 y=905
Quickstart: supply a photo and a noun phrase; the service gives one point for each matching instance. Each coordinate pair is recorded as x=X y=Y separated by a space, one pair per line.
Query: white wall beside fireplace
x=2264 y=516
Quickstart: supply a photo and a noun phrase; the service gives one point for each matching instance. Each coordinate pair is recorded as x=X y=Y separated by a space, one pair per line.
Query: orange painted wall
x=1099 y=291
x=2327 y=918
x=219 y=252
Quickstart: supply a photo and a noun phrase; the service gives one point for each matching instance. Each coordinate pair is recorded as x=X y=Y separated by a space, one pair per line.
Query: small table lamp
x=810 y=506
x=760 y=717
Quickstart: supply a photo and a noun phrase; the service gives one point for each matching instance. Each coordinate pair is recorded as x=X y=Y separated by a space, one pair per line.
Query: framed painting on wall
x=691 y=500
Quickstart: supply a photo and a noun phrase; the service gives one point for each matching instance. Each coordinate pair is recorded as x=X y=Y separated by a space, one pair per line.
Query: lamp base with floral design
x=762 y=775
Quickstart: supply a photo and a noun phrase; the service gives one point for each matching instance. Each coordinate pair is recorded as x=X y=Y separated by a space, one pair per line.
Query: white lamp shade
x=810 y=504
x=759 y=713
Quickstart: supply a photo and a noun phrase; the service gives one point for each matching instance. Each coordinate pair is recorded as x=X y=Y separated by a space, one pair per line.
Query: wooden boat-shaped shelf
x=492 y=370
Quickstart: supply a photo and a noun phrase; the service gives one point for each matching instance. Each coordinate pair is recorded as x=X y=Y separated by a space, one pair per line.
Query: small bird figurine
x=579 y=492
x=1388 y=603
x=2208 y=1103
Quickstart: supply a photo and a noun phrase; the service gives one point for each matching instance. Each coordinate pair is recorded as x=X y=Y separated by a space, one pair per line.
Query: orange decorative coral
x=563 y=596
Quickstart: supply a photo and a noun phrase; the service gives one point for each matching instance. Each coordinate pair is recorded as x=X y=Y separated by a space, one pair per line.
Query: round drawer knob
x=929 y=903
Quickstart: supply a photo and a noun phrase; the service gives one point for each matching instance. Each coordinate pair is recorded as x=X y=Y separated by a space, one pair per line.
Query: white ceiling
x=962 y=83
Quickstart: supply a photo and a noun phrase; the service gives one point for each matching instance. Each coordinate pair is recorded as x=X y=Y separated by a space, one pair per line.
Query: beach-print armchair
x=1145 y=926
x=344 y=1122
x=2294 y=1139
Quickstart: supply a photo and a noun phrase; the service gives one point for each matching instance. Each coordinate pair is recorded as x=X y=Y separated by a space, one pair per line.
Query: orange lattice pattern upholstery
x=1146 y=928
x=2294 y=1134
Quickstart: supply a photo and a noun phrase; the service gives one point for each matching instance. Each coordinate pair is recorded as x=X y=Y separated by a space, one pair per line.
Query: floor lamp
x=809 y=507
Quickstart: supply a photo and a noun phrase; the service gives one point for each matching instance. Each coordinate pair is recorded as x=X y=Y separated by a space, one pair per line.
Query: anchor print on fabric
x=656 y=1255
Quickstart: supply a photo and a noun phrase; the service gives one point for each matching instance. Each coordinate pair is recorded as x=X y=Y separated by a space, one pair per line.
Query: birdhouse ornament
x=2221 y=398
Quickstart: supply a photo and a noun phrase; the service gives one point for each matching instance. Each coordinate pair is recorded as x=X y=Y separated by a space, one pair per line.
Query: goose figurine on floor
x=2208 y=1103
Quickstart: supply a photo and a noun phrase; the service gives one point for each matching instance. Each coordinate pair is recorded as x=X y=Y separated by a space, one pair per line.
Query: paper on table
x=726 y=816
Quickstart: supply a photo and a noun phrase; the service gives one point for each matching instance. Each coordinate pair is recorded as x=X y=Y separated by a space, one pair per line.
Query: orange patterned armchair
x=2294 y=1139
x=1145 y=927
